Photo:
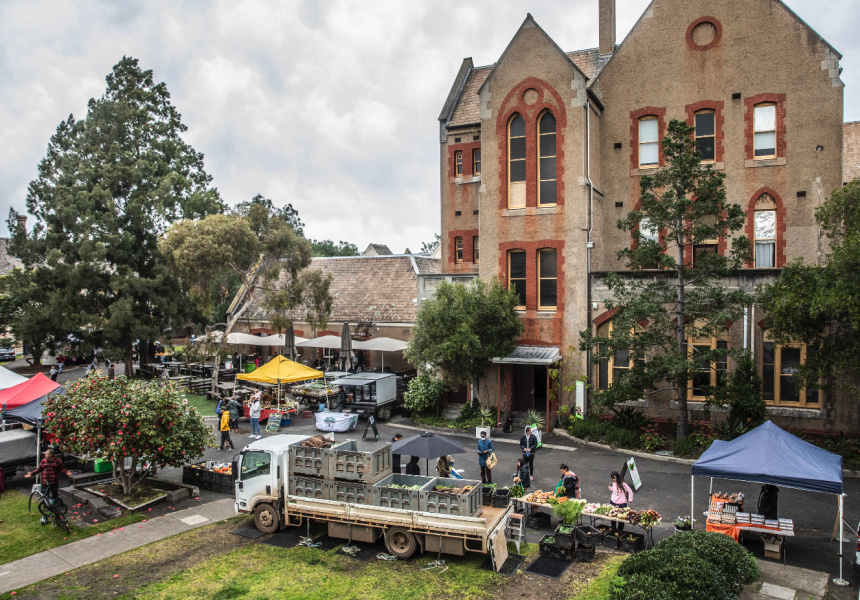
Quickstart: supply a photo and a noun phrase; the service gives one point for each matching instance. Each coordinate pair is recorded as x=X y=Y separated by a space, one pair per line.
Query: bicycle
x=50 y=508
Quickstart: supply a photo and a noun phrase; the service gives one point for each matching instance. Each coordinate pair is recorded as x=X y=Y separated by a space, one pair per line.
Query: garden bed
x=140 y=498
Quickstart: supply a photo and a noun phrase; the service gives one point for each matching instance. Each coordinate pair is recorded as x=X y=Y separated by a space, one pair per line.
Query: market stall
x=280 y=370
x=781 y=459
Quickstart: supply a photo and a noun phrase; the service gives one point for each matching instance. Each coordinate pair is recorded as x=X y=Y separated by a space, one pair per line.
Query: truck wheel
x=400 y=543
x=266 y=518
x=384 y=412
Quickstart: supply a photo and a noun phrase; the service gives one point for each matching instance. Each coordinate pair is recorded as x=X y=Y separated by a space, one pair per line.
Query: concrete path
x=49 y=563
x=786 y=583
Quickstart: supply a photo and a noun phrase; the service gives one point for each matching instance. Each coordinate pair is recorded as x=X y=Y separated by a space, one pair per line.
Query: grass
x=598 y=589
x=434 y=421
x=203 y=405
x=260 y=571
x=22 y=535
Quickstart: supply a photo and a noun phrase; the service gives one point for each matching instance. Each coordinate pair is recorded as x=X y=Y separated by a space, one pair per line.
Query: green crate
x=249 y=367
x=102 y=465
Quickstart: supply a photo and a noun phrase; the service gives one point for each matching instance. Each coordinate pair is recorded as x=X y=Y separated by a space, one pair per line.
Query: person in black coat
x=522 y=473
x=395 y=458
x=413 y=468
x=767 y=501
x=528 y=444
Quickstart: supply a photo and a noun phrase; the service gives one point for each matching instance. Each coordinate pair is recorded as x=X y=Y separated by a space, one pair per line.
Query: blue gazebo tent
x=768 y=454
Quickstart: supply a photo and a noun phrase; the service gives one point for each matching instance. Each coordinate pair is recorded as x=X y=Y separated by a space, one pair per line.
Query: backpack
x=218 y=410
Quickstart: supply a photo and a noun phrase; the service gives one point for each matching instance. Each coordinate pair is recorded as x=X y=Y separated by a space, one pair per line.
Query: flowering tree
x=121 y=419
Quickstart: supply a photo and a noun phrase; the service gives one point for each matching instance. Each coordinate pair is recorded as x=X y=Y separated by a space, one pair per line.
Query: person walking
x=522 y=475
x=254 y=413
x=395 y=458
x=50 y=468
x=225 y=432
x=412 y=467
x=569 y=484
x=485 y=448
x=341 y=398
x=61 y=360
x=234 y=407
x=528 y=444
x=53 y=372
x=444 y=464
x=621 y=496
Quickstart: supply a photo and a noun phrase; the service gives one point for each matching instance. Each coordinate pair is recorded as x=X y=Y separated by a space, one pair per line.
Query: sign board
x=371 y=424
x=580 y=400
x=274 y=422
x=634 y=473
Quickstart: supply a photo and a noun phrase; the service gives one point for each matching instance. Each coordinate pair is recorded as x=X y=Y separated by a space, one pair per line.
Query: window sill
x=546 y=313
x=530 y=211
x=464 y=180
x=640 y=172
x=798 y=412
x=698 y=405
x=765 y=162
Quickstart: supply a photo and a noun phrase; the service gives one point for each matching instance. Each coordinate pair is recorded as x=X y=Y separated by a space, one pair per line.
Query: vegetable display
x=517 y=490
x=646 y=518
x=569 y=512
x=396 y=486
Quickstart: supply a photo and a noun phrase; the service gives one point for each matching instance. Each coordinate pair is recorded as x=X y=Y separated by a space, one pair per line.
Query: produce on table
x=646 y=518
x=569 y=512
x=517 y=490
x=491 y=486
x=539 y=497
x=591 y=507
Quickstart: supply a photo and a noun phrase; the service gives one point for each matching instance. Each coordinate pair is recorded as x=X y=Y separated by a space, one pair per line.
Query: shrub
x=630 y=418
x=726 y=555
x=564 y=416
x=423 y=393
x=676 y=571
x=652 y=441
x=685 y=447
x=742 y=393
x=622 y=438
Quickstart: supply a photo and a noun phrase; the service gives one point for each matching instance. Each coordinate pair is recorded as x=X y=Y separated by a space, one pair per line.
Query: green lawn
x=203 y=405
x=21 y=534
x=598 y=589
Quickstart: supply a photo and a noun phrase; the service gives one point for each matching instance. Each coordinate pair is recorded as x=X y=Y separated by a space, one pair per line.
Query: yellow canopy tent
x=281 y=370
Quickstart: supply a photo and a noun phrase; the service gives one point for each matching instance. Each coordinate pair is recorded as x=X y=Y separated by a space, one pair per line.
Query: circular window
x=704 y=33
x=530 y=96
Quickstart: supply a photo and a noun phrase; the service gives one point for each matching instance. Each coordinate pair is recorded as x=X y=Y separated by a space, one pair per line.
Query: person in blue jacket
x=485 y=448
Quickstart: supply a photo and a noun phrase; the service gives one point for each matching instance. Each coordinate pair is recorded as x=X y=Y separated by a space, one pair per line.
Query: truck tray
x=307 y=460
x=466 y=504
x=354 y=492
x=390 y=497
x=309 y=487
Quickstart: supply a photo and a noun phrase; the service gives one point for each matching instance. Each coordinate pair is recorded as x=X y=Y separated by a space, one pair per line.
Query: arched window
x=706 y=135
x=649 y=142
x=547 y=164
x=547 y=279
x=517 y=275
x=765 y=232
x=517 y=162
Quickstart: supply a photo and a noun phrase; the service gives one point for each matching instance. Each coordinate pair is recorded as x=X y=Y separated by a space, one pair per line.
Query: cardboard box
x=773 y=550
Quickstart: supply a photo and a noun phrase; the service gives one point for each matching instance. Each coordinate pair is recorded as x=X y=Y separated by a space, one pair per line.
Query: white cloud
x=331 y=105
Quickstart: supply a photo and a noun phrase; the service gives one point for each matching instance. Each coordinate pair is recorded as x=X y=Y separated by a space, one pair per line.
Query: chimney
x=607 y=26
x=21 y=219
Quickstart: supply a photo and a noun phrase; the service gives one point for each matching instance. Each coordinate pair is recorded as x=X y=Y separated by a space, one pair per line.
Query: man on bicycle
x=50 y=468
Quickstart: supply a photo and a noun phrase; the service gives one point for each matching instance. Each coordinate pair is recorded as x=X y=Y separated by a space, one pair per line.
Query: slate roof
x=467 y=111
x=381 y=289
x=851 y=152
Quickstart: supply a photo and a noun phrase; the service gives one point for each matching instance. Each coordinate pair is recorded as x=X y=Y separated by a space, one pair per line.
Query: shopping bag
x=492 y=460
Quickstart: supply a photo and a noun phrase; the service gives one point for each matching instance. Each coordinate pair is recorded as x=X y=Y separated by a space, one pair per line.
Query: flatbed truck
x=262 y=472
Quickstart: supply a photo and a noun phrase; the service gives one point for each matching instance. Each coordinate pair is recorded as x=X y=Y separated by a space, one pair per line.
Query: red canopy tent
x=34 y=388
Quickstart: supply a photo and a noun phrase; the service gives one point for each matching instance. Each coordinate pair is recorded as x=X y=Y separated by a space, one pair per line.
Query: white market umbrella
x=327 y=341
x=383 y=345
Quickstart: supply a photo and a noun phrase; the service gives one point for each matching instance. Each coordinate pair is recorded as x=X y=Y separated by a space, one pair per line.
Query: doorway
x=524 y=387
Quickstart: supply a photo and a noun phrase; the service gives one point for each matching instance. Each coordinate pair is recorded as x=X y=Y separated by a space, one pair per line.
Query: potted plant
x=684 y=523
x=486 y=415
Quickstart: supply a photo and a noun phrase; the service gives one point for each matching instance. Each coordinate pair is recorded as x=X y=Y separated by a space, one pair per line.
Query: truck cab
x=370 y=394
x=260 y=472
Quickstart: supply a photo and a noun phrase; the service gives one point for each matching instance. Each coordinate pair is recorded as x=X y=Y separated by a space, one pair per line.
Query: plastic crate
x=227 y=488
x=487 y=496
x=564 y=552
x=346 y=462
x=389 y=497
x=611 y=541
x=538 y=521
x=501 y=498
x=305 y=460
x=102 y=465
x=587 y=535
x=585 y=553
x=354 y=492
x=564 y=539
x=632 y=545
x=308 y=487
x=466 y=504
x=547 y=548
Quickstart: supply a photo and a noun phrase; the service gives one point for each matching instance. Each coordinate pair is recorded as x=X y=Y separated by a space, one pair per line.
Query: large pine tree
x=110 y=185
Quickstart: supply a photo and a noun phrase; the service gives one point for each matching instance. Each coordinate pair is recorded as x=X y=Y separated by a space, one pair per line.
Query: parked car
x=7 y=354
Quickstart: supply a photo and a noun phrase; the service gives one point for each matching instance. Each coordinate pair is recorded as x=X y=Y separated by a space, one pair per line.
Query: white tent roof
x=326 y=341
x=9 y=379
x=276 y=340
x=384 y=344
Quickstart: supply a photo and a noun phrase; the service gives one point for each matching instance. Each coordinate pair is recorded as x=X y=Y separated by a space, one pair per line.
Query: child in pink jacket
x=622 y=495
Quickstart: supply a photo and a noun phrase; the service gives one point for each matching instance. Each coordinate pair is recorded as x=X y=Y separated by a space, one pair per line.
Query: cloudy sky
x=331 y=105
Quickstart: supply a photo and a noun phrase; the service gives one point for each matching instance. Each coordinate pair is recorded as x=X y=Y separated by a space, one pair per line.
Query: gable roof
x=467 y=108
x=380 y=289
x=851 y=152
x=377 y=249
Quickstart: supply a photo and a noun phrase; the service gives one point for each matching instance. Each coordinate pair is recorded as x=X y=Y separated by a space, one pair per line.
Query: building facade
x=542 y=153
